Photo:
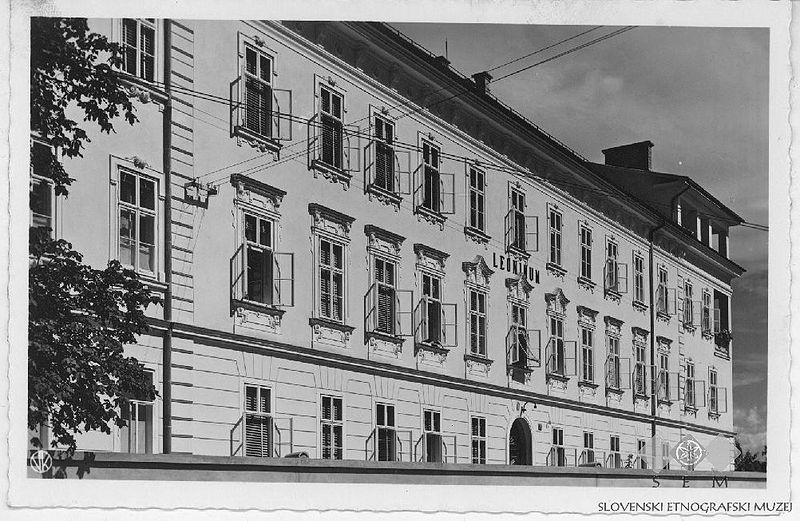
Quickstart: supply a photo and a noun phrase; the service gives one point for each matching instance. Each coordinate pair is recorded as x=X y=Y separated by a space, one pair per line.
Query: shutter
x=512 y=347
x=533 y=339
x=370 y=312
x=570 y=358
x=351 y=148
x=237 y=274
x=313 y=152
x=258 y=435
x=509 y=228
x=420 y=320
x=449 y=325
x=625 y=373
x=700 y=393
x=622 y=277
x=697 y=312
x=447 y=196
x=402 y=169
x=234 y=105
x=717 y=320
x=283 y=279
x=370 y=168
x=532 y=233
x=722 y=400
x=282 y=114
x=404 y=312
x=386 y=300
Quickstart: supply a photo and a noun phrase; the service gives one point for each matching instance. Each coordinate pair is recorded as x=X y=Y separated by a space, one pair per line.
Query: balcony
x=434 y=447
x=261 y=280
x=435 y=329
x=387 y=172
x=523 y=352
x=262 y=436
x=389 y=444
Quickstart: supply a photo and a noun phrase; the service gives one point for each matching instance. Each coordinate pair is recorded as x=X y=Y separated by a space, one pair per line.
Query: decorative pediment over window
x=664 y=343
x=613 y=326
x=430 y=258
x=477 y=271
x=556 y=302
x=519 y=287
x=258 y=194
x=331 y=221
x=383 y=241
x=586 y=317
x=639 y=335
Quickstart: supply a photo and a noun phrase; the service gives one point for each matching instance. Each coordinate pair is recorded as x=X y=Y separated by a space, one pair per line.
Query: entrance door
x=519 y=443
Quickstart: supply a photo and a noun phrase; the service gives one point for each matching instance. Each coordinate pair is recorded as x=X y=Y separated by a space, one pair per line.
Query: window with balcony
x=638 y=279
x=139 y=47
x=333 y=147
x=260 y=113
x=137 y=217
x=586 y=253
x=477 y=200
x=615 y=272
x=136 y=436
x=554 y=224
x=521 y=230
x=434 y=190
x=331 y=427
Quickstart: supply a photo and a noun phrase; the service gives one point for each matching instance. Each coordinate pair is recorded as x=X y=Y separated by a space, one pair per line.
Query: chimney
x=482 y=80
x=634 y=155
x=442 y=62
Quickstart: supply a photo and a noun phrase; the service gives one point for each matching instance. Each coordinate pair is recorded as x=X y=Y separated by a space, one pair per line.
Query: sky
x=699 y=94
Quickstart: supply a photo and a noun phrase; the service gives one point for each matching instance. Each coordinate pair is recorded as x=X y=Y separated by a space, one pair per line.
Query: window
x=432 y=308
x=331 y=425
x=616 y=274
x=139 y=47
x=663 y=377
x=137 y=221
x=614 y=456
x=587 y=456
x=477 y=322
x=706 y=314
x=558 y=454
x=478 y=440
x=555 y=237
x=431 y=188
x=386 y=300
x=613 y=363
x=518 y=219
x=387 y=435
x=520 y=354
x=717 y=396
x=331 y=121
x=42 y=192
x=258 y=423
x=258 y=251
x=557 y=357
x=257 y=92
x=137 y=435
x=331 y=279
x=665 y=455
x=641 y=452
x=640 y=370
x=383 y=135
x=477 y=199
x=586 y=253
x=587 y=355
x=433 y=436
x=638 y=278
x=690 y=398
x=662 y=291
x=688 y=304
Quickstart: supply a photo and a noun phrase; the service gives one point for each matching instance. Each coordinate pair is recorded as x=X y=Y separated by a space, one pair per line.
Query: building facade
x=365 y=255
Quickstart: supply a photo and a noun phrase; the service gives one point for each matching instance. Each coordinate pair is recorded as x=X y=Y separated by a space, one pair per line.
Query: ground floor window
x=258 y=421
x=478 y=440
x=386 y=435
x=331 y=419
x=137 y=435
x=433 y=436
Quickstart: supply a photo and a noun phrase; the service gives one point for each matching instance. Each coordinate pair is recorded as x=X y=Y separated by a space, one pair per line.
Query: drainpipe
x=650 y=278
x=166 y=362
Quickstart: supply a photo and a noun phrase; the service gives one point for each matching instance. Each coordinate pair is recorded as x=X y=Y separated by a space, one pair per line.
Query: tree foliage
x=751 y=461
x=71 y=66
x=79 y=317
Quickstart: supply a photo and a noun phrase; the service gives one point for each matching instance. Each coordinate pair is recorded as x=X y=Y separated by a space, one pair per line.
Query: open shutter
x=717 y=320
x=609 y=275
x=722 y=400
x=447 y=193
x=700 y=393
x=622 y=277
x=421 y=320
x=512 y=346
x=313 y=141
x=674 y=387
x=550 y=356
x=681 y=379
x=612 y=372
x=281 y=115
x=509 y=228
x=369 y=162
x=237 y=274
x=283 y=278
x=235 y=115
x=681 y=295
x=672 y=299
x=534 y=341
x=697 y=313
x=418 y=182
x=404 y=307
x=570 y=358
x=351 y=148
x=449 y=325
x=370 y=308
x=402 y=171
x=532 y=233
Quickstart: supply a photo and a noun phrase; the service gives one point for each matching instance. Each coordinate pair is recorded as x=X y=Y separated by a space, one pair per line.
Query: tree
x=79 y=317
x=749 y=461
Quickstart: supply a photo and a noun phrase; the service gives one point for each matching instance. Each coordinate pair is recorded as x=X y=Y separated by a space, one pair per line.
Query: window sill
x=476 y=235
x=663 y=316
x=714 y=415
x=519 y=252
x=334 y=174
x=558 y=377
x=586 y=283
x=721 y=353
x=613 y=294
x=261 y=142
x=385 y=196
x=386 y=337
x=615 y=390
x=555 y=269
x=665 y=402
x=638 y=304
x=688 y=409
x=332 y=324
x=640 y=396
x=478 y=358
x=250 y=305
x=431 y=216
x=689 y=327
x=142 y=89
x=588 y=384
x=521 y=368
x=430 y=347
x=707 y=334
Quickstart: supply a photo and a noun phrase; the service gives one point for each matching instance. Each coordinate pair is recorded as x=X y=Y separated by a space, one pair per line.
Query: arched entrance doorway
x=519 y=443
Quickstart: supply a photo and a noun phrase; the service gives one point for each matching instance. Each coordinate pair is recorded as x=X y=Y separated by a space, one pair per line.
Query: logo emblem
x=689 y=452
x=41 y=461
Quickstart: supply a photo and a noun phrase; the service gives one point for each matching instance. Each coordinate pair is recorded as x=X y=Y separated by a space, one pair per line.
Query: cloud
x=751 y=424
